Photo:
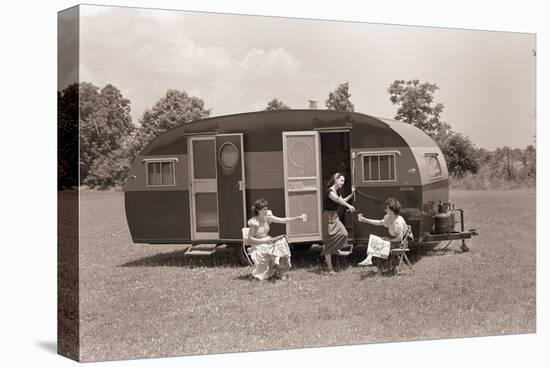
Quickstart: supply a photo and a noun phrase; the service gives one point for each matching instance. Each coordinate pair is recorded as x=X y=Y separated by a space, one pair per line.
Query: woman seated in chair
x=270 y=255
x=396 y=225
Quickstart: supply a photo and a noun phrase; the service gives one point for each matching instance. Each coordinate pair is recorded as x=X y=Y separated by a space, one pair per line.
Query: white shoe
x=366 y=262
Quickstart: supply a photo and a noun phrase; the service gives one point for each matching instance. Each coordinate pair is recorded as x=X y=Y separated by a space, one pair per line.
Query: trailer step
x=199 y=253
x=203 y=249
x=345 y=251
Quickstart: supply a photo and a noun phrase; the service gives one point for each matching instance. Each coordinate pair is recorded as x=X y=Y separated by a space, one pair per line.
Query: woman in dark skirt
x=335 y=235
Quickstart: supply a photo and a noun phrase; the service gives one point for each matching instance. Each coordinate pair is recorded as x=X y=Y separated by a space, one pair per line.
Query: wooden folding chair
x=398 y=254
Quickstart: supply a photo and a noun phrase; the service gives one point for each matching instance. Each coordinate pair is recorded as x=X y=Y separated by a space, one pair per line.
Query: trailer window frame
x=171 y=163
x=433 y=157
x=392 y=157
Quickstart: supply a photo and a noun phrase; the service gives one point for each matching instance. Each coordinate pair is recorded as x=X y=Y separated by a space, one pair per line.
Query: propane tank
x=444 y=220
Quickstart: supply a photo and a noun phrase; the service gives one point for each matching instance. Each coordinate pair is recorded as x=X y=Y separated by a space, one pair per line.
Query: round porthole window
x=229 y=155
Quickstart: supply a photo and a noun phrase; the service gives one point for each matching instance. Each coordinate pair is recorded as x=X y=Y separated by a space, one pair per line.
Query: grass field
x=150 y=301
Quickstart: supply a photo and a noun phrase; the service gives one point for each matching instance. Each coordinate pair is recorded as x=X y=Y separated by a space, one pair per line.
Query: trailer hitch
x=465 y=247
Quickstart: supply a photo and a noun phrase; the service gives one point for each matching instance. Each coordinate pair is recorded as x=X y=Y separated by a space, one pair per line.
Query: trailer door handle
x=412 y=170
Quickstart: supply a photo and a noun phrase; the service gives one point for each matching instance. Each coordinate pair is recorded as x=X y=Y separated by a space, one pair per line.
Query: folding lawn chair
x=398 y=255
x=244 y=249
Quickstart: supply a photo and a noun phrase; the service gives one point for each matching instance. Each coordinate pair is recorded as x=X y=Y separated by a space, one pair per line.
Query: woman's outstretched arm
x=283 y=220
x=350 y=195
x=374 y=222
x=338 y=199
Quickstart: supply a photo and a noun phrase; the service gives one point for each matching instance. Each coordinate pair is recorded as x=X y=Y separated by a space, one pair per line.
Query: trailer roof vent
x=312 y=104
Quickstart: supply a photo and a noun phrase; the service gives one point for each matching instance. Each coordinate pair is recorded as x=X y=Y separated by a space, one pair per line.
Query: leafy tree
x=414 y=106
x=339 y=99
x=172 y=110
x=482 y=156
x=513 y=164
x=503 y=168
x=275 y=105
x=459 y=154
x=112 y=169
x=529 y=160
x=67 y=137
x=104 y=122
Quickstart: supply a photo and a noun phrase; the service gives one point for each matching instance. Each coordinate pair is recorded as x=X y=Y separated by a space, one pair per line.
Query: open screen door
x=302 y=184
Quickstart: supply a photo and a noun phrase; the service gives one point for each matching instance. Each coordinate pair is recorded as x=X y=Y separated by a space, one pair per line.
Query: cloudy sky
x=238 y=63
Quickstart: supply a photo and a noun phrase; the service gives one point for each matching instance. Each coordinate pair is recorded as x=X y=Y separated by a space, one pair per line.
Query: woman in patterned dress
x=271 y=255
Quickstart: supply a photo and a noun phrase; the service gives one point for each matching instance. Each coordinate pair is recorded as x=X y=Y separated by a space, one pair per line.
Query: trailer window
x=160 y=173
x=379 y=167
x=434 y=168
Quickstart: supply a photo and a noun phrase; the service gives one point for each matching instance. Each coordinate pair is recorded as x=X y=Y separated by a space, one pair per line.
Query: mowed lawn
x=150 y=301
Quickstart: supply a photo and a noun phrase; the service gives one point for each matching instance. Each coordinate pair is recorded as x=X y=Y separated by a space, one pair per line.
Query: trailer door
x=231 y=185
x=302 y=184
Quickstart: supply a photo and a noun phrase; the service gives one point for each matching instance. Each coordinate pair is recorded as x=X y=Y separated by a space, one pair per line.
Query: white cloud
x=276 y=62
x=145 y=52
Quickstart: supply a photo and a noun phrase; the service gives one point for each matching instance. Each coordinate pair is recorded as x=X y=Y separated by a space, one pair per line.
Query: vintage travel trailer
x=195 y=184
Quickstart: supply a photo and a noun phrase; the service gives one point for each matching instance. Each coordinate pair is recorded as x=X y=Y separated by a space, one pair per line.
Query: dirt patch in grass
x=151 y=301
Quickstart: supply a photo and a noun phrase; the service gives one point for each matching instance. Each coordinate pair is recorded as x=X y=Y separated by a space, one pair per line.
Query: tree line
x=109 y=140
x=479 y=168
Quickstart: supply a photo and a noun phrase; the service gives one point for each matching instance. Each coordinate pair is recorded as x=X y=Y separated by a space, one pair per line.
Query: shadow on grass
x=310 y=259
x=369 y=273
x=223 y=258
x=385 y=267
x=247 y=277
x=443 y=252
x=179 y=259
x=316 y=264
x=382 y=267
